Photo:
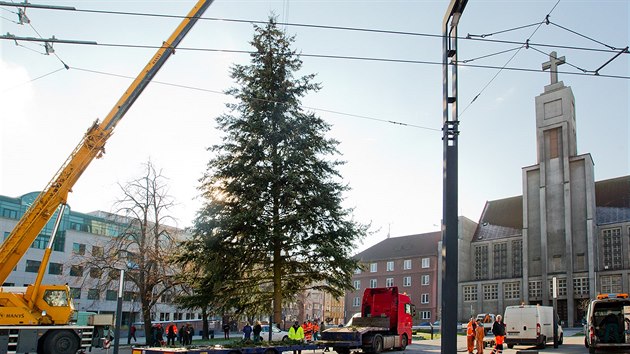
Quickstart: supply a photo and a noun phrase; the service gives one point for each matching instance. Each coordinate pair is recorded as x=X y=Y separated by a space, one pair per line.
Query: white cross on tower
x=552 y=65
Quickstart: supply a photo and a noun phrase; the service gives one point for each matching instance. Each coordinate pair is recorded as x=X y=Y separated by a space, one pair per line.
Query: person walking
x=189 y=332
x=180 y=334
x=296 y=333
x=171 y=334
x=470 y=335
x=480 y=333
x=256 y=330
x=498 y=329
x=226 y=330
x=247 y=331
x=132 y=334
x=315 y=331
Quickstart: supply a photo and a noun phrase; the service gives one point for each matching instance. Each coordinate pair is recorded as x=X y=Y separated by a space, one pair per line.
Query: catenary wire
x=505 y=65
x=503 y=31
x=33 y=79
x=264 y=100
x=344 y=28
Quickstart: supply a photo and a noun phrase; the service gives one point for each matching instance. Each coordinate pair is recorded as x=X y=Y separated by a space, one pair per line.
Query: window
x=95 y=273
x=390 y=266
x=517 y=258
x=611 y=284
x=425 y=279
x=535 y=289
x=32 y=266
x=424 y=298
x=406 y=281
x=357 y=271
x=356 y=302
x=111 y=295
x=130 y=296
x=41 y=242
x=78 y=248
x=55 y=268
x=481 y=262
x=357 y=284
x=512 y=290
x=470 y=293
x=76 y=271
x=93 y=294
x=389 y=282
x=562 y=287
x=373 y=267
x=372 y=283
x=75 y=293
x=425 y=315
x=490 y=291
x=97 y=251
x=426 y=262
x=9 y=213
x=580 y=286
x=612 y=248
x=500 y=259
x=407 y=264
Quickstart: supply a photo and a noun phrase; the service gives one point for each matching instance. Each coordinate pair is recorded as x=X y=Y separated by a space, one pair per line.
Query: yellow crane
x=49 y=307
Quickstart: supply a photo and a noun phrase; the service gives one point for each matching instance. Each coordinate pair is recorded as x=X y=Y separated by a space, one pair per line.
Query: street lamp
x=119 y=311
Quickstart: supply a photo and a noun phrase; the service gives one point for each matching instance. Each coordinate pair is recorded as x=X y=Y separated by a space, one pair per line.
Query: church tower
x=558 y=205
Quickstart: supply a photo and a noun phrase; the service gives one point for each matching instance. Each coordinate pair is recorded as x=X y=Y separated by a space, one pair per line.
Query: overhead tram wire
x=188 y=87
x=509 y=60
x=306 y=55
x=306 y=25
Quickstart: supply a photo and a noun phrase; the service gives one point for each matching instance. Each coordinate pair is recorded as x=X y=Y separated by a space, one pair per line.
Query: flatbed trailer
x=217 y=349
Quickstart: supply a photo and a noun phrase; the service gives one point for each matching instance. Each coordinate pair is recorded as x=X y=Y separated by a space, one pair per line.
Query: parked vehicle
x=277 y=335
x=608 y=323
x=487 y=319
x=530 y=325
x=385 y=323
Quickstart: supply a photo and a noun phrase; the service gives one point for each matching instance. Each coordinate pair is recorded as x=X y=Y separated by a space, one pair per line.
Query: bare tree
x=142 y=247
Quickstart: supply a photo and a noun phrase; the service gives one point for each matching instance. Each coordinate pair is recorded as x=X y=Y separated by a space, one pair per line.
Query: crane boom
x=91 y=146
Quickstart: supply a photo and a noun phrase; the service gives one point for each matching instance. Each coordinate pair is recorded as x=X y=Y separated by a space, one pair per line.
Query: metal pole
x=450 y=194
x=555 y=312
x=119 y=311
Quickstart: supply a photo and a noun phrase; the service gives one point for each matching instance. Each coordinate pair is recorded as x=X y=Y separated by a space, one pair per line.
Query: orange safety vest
x=315 y=327
x=470 y=330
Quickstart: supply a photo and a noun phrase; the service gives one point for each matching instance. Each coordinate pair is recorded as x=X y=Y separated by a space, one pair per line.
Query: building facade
x=79 y=235
x=408 y=262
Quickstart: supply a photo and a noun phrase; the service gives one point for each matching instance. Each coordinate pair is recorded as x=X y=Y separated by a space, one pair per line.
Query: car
x=277 y=335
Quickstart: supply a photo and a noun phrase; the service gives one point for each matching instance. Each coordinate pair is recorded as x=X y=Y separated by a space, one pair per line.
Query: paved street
x=572 y=345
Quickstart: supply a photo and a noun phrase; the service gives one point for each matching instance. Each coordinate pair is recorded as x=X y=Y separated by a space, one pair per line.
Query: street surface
x=572 y=345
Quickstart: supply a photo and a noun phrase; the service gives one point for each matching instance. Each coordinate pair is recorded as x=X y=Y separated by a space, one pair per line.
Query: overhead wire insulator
x=49 y=47
x=22 y=18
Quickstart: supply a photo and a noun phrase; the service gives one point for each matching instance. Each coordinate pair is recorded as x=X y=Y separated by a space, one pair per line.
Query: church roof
x=402 y=247
x=503 y=218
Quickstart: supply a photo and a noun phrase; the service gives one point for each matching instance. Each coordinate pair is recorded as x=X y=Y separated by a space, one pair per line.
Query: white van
x=608 y=323
x=530 y=325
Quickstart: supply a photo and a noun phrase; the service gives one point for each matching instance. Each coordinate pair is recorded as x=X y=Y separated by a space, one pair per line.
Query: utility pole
x=449 y=205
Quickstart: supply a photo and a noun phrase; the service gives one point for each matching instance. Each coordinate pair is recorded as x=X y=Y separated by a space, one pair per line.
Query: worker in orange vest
x=480 y=333
x=308 y=330
x=470 y=335
x=315 y=331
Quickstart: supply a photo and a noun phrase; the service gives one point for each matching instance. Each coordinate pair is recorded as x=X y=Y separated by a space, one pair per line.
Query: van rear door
x=521 y=322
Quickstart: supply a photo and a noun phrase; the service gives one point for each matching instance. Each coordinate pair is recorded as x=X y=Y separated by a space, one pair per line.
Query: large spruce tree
x=272 y=223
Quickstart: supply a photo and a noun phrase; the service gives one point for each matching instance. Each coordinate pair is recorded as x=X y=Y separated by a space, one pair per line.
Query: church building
x=565 y=227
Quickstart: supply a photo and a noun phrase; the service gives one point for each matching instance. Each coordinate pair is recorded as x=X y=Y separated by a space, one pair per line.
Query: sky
x=381 y=93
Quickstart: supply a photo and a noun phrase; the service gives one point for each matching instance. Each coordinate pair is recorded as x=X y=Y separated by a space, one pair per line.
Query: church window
x=470 y=292
x=554 y=143
x=512 y=290
x=490 y=291
x=612 y=248
x=517 y=258
x=562 y=287
x=580 y=286
x=481 y=262
x=610 y=284
x=535 y=289
x=500 y=260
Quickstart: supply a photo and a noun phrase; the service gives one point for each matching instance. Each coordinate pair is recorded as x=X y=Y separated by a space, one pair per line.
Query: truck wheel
x=285 y=339
x=61 y=342
x=543 y=344
x=341 y=350
x=377 y=344
x=403 y=342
